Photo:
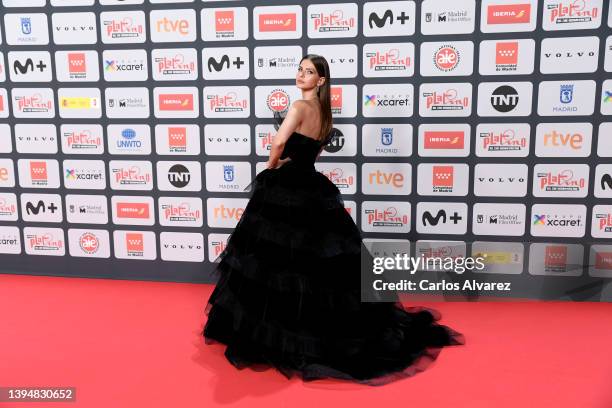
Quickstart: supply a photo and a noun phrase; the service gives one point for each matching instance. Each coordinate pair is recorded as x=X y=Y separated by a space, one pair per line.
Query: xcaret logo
x=116 y=65
x=384 y=100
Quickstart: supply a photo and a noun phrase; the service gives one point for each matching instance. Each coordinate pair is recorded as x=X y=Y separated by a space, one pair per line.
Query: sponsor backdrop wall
x=129 y=130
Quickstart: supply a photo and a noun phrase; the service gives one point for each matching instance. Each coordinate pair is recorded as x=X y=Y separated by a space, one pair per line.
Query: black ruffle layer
x=288 y=291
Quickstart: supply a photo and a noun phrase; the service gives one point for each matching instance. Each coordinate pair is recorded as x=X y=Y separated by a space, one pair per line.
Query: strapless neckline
x=307 y=137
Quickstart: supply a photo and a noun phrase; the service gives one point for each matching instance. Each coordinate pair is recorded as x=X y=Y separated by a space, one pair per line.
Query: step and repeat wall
x=130 y=129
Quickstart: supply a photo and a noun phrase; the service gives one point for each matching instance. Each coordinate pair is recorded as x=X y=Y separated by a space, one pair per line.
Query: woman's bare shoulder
x=299 y=105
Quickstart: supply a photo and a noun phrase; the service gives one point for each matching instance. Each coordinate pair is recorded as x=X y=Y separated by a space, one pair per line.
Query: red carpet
x=136 y=344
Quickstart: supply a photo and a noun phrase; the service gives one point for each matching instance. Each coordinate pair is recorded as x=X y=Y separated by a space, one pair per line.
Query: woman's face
x=307 y=76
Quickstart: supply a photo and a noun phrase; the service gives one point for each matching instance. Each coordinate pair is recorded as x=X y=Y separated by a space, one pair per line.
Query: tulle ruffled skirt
x=288 y=293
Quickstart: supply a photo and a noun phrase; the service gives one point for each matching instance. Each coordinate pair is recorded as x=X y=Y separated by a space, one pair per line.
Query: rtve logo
x=555 y=139
x=221 y=212
x=173 y=25
x=166 y=25
x=382 y=178
x=386 y=178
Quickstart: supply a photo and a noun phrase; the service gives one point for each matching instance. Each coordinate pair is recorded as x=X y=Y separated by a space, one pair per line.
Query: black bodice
x=302 y=149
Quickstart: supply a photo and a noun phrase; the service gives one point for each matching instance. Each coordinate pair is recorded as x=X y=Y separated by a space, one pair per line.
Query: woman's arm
x=282 y=161
x=290 y=123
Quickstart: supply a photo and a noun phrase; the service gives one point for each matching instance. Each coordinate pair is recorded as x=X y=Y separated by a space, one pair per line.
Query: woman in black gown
x=288 y=291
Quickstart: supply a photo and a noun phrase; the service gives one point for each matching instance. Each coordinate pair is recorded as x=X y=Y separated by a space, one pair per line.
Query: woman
x=288 y=293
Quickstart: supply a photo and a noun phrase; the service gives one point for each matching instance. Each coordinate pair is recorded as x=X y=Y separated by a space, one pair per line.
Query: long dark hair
x=324 y=93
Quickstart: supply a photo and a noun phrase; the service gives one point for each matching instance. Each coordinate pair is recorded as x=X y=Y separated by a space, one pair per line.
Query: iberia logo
x=509 y=13
x=176 y=102
x=133 y=210
x=277 y=22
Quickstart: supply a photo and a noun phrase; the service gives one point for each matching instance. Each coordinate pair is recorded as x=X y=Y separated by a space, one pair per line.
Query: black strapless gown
x=288 y=290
